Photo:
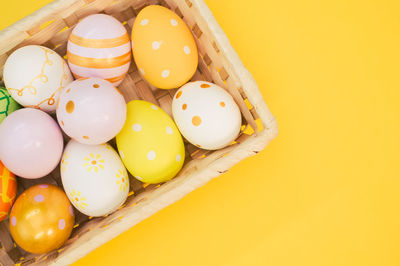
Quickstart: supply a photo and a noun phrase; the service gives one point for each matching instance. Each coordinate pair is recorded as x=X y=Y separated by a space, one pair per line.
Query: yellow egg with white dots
x=150 y=144
x=163 y=47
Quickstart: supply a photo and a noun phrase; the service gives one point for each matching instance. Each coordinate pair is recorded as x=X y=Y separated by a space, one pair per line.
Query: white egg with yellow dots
x=35 y=75
x=94 y=178
x=206 y=115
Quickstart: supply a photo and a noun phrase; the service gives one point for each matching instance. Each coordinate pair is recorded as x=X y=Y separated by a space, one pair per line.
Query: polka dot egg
x=163 y=47
x=94 y=178
x=91 y=110
x=150 y=144
x=99 y=46
x=206 y=115
x=41 y=219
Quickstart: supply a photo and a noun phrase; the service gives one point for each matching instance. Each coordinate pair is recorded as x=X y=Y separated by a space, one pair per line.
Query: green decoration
x=7 y=104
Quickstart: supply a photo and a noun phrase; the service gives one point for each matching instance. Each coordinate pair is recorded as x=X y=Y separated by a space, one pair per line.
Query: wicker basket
x=218 y=63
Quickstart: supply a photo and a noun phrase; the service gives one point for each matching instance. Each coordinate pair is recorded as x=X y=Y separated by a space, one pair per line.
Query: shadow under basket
x=218 y=63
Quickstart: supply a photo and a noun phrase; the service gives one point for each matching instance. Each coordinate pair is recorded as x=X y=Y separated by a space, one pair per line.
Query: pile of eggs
x=42 y=101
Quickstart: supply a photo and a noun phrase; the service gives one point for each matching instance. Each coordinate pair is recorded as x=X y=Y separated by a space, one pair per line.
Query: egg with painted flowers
x=206 y=115
x=164 y=49
x=99 y=46
x=94 y=178
x=150 y=144
x=41 y=219
x=35 y=75
x=91 y=110
x=8 y=191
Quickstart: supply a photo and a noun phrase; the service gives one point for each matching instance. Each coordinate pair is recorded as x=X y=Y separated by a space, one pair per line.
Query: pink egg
x=99 y=46
x=31 y=143
x=91 y=111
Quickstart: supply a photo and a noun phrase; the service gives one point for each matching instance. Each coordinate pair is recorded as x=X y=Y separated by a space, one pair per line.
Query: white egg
x=94 y=178
x=206 y=115
x=35 y=75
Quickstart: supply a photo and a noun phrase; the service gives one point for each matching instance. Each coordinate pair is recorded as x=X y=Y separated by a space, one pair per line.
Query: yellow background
x=327 y=190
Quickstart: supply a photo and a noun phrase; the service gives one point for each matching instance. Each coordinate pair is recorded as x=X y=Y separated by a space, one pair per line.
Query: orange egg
x=164 y=49
x=8 y=189
x=41 y=219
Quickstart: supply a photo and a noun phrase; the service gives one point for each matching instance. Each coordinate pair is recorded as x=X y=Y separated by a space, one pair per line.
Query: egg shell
x=7 y=104
x=150 y=144
x=8 y=190
x=99 y=46
x=91 y=110
x=34 y=76
x=163 y=47
x=206 y=115
x=41 y=219
x=94 y=178
x=31 y=143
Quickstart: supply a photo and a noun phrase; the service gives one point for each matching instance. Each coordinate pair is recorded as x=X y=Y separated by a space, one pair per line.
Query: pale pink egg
x=91 y=111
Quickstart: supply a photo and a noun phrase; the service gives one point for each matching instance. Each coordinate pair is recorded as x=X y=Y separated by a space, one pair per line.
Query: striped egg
x=99 y=46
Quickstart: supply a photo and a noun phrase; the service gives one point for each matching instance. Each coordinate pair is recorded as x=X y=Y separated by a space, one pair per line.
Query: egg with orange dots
x=41 y=219
x=91 y=111
x=206 y=115
x=99 y=46
x=8 y=190
x=164 y=49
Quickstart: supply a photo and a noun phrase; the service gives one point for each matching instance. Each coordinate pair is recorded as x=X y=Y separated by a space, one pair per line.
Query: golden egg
x=41 y=219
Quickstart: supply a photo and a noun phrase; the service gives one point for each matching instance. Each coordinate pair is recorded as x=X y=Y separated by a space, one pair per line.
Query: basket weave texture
x=218 y=63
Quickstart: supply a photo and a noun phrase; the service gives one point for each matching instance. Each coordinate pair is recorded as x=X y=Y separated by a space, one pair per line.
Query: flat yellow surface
x=327 y=190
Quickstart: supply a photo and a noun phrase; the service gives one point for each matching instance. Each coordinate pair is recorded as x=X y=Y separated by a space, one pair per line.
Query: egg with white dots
x=165 y=51
x=150 y=144
x=94 y=178
x=91 y=111
x=206 y=115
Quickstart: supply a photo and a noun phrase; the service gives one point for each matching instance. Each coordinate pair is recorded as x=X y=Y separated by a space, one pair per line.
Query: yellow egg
x=150 y=144
x=163 y=47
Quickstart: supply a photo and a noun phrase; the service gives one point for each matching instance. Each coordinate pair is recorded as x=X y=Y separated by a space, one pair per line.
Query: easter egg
x=8 y=190
x=94 y=178
x=41 y=219
x=91 y=110
x=99 y=46
x=206 y=115
x=34 y=76
x=150 y=144
x=163 y=47
x=7 y=104
x=31 y=143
